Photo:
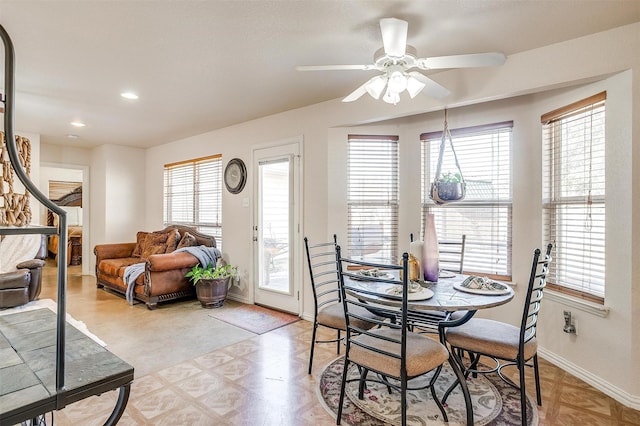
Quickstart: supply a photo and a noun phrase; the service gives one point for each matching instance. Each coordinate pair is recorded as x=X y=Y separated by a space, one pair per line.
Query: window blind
x=484 y=216
x=574 y=196
x=193 y=195
x=373 y=197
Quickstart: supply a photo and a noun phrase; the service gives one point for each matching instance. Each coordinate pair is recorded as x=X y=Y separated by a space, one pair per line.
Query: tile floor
x=263 y=380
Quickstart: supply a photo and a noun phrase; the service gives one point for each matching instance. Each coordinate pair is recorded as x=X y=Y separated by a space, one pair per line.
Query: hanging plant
x=450 y=186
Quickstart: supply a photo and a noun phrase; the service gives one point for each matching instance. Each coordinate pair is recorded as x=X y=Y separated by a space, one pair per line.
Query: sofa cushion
x=116 y=267
x=140 y=237
x=154 y=243
x=172 y=241
x=187 y=240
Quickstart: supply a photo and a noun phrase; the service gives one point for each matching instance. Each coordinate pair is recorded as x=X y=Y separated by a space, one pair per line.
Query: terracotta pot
x=212 y=293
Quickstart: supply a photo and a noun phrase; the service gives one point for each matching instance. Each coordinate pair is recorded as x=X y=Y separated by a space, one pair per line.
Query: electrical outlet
x=569 y=323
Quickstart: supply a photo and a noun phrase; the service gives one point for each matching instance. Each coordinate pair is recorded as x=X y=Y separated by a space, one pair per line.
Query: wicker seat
x=505 y=343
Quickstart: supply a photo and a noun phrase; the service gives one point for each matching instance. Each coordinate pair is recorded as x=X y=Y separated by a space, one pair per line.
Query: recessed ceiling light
x=129 y=95
x=77 y=124
x=72 y=136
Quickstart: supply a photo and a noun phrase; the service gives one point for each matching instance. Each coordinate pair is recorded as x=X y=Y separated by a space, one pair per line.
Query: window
x=373 y=197
x=193 y=195
x=574 y=196
x=484 y=215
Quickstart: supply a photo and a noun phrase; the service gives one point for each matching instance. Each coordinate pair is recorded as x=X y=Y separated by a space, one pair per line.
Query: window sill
x=574 y=302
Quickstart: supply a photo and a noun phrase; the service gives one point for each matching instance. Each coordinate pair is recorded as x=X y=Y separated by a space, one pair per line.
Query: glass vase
x=430 y=255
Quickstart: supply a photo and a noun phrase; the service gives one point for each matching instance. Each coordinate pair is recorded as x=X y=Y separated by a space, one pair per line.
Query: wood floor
x=261 y=379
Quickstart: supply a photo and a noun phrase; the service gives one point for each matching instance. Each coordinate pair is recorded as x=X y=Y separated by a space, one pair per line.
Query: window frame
x=193 y=171
x=560 y=274
x=500 y=207
x=388 y=236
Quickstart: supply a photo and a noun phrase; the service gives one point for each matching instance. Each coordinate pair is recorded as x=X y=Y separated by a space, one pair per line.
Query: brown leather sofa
x=24 y=285
x=164 y=271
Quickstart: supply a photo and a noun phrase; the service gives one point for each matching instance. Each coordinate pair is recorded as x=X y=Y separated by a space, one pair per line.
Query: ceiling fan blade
x=473 y=60
x=394 y=36
x=431 y=88
x=334 y=67
x=356 y=94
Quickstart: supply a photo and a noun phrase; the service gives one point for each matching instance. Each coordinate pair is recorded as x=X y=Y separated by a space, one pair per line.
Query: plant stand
x=212 y=292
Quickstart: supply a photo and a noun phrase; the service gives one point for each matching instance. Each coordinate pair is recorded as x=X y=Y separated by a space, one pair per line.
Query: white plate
x=365 y=276
x=498 y=290
x=423 y=294
x=446 y=274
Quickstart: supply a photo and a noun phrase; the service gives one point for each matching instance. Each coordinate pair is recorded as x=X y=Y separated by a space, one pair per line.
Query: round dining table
x=446 y=296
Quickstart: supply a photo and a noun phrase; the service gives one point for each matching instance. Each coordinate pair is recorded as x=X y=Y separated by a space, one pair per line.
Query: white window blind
x=574 y=196
x=484 y=216
x=193 y=195
x=373 y=197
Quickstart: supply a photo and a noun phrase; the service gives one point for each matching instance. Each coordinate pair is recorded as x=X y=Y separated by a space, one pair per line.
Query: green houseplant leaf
x=199 y=272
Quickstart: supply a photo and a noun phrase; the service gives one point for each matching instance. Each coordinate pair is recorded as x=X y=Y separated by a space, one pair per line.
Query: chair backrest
x=323 y=271
x=451 y=255
x=537 y=283
x=350 y=290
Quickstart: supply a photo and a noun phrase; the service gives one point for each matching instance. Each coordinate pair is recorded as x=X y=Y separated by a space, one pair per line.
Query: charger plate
x=481 y=285
x=395 y=292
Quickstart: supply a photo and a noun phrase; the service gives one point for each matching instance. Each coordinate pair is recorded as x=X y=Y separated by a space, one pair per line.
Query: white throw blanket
x=205 y=255
x=18 y=248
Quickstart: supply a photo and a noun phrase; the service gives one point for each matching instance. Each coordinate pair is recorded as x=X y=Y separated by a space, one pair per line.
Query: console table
x=28 y=368
x=37 y=373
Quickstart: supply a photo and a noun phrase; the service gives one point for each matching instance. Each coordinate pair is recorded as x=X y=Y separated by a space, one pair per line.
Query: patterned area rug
x=494 y=402
x=253 y=318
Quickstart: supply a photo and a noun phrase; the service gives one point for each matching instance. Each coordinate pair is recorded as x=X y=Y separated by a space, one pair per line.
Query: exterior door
x=276 y=227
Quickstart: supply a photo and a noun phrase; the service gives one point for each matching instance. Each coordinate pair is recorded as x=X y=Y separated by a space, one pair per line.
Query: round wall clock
x=235 y=175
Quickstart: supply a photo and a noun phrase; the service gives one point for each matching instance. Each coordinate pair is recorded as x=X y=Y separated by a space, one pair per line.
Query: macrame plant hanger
x=446 y=189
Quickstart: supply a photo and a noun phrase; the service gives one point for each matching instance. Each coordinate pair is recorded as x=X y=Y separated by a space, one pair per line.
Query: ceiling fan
x=397 y=61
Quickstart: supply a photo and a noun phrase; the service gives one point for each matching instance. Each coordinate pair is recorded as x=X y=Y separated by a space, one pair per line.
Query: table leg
x=454 y=364
x=121 y=404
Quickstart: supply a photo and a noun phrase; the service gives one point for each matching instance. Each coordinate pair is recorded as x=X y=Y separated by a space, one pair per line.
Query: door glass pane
x=274 y=228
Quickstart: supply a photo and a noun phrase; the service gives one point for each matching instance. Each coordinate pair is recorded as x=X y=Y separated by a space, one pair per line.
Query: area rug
x=253 y=318
x=494 y=402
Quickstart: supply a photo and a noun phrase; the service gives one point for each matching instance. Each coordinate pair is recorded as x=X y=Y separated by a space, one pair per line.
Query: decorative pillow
x=140 y=237
x=172 y=241
x=187 y=240
x=154 y=243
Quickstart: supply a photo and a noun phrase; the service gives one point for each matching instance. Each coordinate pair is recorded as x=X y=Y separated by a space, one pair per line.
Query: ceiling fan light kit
x=396 y=59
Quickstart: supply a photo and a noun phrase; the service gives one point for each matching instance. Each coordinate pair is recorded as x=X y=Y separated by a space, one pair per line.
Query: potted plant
x=450 y=186
x=212 y=283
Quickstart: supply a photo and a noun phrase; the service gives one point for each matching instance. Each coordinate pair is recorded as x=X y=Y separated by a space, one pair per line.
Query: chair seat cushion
x=423 y=353
x=333 y=316
x=490 y=337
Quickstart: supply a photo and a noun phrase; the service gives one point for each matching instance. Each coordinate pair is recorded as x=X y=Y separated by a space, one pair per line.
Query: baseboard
x=307 y=316
x=237 y=298
x=623 y=397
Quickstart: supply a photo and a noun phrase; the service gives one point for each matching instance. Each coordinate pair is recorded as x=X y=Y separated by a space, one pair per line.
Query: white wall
x=601 y=342
x=126 y=184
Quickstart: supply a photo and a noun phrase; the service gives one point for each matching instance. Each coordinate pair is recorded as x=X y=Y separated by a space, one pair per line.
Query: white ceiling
x=204 y=65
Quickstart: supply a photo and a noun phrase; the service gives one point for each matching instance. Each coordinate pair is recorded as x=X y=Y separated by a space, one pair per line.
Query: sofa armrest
x=31 y=264
x=113 y=251
x=170 y=261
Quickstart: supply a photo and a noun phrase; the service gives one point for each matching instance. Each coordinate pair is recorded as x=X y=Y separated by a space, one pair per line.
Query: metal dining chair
x=390 y=351
x=506 y=344
x=328 y=311
x=451 y=255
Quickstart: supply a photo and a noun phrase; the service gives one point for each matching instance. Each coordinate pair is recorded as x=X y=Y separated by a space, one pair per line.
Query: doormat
x=253 y=318
x=494 y=402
